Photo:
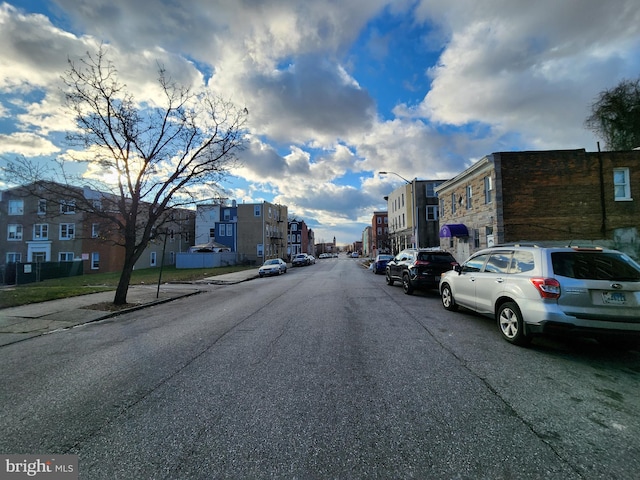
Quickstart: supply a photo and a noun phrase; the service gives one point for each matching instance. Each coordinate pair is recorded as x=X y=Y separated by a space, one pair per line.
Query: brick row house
x=380 y=242
x=300 y=238
x=41 y=227
x=560 y=197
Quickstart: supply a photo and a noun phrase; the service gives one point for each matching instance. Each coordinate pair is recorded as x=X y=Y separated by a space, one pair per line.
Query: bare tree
x=615 y=116
x=158 y=156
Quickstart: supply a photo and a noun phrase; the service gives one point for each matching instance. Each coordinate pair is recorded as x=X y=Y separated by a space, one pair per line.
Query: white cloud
x=27 y=144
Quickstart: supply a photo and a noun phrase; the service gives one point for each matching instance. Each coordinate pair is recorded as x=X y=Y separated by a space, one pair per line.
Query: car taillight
x=547 y=287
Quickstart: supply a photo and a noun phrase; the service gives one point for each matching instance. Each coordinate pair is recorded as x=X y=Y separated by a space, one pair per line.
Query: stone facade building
x=552 y=197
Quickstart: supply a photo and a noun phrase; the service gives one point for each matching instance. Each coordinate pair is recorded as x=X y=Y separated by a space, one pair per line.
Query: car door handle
x=499 y=280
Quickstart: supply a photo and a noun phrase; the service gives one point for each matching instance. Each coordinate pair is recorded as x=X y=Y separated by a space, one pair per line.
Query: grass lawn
x=13 y=296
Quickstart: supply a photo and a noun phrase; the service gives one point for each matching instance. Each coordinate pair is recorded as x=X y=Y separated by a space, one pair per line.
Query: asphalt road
x=325 y=372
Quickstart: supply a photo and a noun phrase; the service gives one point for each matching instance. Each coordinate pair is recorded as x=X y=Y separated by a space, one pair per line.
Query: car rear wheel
x=511 y=324
x=447 y=298
x=406 y=284
x=388 y=278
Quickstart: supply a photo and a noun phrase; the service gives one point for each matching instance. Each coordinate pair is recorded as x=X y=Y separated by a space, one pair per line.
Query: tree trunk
x=123 y=284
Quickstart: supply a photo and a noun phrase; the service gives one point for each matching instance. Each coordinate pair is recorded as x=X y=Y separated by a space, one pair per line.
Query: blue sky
x=336 y=91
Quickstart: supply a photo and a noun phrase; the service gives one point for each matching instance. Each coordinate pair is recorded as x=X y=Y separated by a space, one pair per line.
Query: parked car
x=379 y=265
x=355 y=255
x=419 y=268
x=533 y=290
x=300 y=260
x=274 y=266
x=312 y=259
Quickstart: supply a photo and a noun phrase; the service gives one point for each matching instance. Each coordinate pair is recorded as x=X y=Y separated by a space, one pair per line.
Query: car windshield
x=595 y=266
x=270 y=262
x=385 y=257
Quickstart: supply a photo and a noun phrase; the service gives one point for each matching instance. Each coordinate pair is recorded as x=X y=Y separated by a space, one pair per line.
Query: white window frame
x=14 y=257
x=95 y=260
x=67 y=231
x=432 y=212
x=68 y=207
x=16 y=207
x=14 y=232
x=469 y=197
x=257 y=212
x=221 y=230
x=41 y=231
x=621 y=185
x=66 y=256
x=260 y=250
x=42 y=206
x=95 y=230
x=488 y=190
x=229 y=230
x=153 y=259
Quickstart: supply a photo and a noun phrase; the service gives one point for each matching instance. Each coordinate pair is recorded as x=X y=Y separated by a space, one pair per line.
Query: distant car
x=274 y=266
x=354 y=255
x=419 y=268
x=531 y=290
x=379 y=265
x=312 y=259
x=300 y=260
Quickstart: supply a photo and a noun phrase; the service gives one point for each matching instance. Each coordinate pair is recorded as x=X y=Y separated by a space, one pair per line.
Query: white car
x=274 y=266
x=533 y=290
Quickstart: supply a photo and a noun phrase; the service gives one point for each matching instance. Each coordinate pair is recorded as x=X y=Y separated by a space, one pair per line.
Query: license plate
x=614 y=298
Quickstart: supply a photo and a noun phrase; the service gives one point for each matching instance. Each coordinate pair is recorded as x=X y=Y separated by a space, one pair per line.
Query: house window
x=432 y=212
x=42 y=206
x=230 y=230
x=67 y=231
x=430 y=189
x=488 y=189
x=476 y=238
x=227 y=214
x=212 y=233
x=65 y=257
x=257 y=211
x=97 y=205
x=298 y=239
x=95 y=230
x=294 y=227
x=172 y=236
x=221 y=230
x=260 y=250
x=40 y=231
x=95 y=261
x=269 y=212
x=153 y=259
x=16 y=207
x=14 y=231
x=453 y=203
x=379 y=220
x=379 y=231
x=13 y=257
x=67 y=207
x=621 y=184
x=469 y=197
x=441 y=206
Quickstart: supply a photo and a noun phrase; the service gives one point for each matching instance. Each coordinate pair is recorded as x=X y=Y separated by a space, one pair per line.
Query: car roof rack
x=519 y=244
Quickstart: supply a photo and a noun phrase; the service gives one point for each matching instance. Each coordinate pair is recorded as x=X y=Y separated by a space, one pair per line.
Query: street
x=324 y=372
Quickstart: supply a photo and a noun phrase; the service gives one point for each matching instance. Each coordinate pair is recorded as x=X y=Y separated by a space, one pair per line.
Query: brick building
x=559 y=196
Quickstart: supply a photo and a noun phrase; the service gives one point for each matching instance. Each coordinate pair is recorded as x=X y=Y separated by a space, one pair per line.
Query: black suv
x=419 y=268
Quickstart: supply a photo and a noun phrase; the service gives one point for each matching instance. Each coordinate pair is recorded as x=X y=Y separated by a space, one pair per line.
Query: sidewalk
x=27 y=321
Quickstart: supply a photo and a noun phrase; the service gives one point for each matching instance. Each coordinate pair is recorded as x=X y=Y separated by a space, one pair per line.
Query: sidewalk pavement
x=32 y=320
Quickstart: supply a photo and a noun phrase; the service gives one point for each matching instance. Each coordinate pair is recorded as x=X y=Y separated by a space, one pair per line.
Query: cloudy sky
x=336 y=90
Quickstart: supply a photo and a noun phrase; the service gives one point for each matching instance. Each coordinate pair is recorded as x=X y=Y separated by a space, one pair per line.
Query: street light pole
x=414 y=206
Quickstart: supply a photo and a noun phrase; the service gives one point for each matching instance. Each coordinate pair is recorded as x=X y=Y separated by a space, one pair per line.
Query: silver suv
x=533 y=290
